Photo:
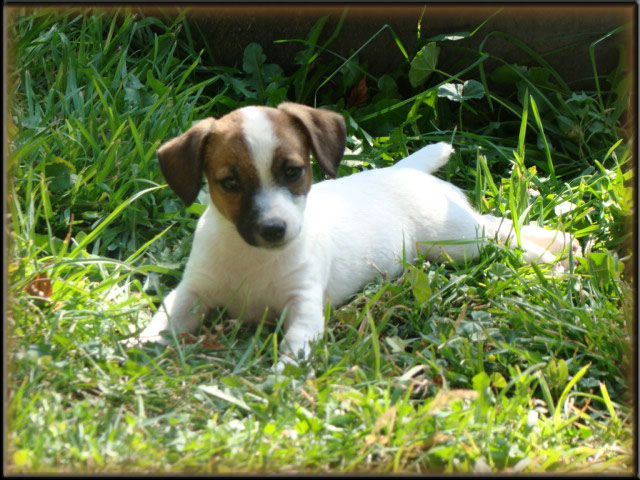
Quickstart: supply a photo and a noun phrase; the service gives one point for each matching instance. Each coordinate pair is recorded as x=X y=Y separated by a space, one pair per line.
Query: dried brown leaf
x=359 y=94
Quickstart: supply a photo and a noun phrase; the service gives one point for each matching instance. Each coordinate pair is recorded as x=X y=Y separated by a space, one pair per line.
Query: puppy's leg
x=180 y=311
x=552 y=240
x=538 y=244
x=304 y=323
x=463 y=222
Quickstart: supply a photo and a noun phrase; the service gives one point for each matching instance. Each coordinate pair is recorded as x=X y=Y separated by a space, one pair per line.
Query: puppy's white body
x=342 y=245
x=350 y=230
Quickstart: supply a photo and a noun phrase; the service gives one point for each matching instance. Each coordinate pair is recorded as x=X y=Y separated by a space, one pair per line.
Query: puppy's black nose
x=273 y=230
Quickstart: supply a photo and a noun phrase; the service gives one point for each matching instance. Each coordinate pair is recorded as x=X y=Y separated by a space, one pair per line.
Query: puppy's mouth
x=273 y=246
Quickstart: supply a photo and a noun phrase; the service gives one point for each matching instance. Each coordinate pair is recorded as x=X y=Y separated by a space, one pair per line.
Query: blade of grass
x=96 y=231
x=592 y=55
x=567 y=390
x=547 y=152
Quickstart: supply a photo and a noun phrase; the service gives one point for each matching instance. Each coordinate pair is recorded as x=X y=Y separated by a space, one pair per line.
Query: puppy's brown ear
x=326 y=133
x=181 y=160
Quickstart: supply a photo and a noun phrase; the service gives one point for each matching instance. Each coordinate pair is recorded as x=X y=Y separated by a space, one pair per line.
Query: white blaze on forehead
x=261 y=141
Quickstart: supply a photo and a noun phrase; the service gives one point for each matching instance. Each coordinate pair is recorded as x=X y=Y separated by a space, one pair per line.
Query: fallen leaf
x=206 y=341
x=359 y=94
x=40 y=286
x=445 y=397
x=387 y=419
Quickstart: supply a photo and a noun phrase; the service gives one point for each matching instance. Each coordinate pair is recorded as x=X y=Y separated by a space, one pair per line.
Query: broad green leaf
x=420 y=286
x=423 y=64
x=241 y=87
x=459 y=92
x=388 y=87
x=497 y=380
x=472 y=89
x=59 y=176
x=253 y=58
x=271 y=72
x=451 y=91
x=508 y=74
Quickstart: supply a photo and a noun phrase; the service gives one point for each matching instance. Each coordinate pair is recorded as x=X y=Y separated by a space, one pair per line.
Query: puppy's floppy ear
x=181 y=160
x=326 y=133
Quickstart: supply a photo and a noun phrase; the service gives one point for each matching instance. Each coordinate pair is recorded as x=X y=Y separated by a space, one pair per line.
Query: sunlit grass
x=490 y=365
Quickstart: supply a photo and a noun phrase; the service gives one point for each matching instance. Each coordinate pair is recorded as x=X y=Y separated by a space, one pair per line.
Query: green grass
x=490 y=365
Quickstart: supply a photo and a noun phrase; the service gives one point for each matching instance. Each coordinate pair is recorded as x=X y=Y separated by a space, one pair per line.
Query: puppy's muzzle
x=269 y=232
x=272 y=219
x=273 y=231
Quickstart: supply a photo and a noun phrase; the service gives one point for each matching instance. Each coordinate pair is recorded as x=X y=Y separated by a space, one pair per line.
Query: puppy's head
x=256 y=160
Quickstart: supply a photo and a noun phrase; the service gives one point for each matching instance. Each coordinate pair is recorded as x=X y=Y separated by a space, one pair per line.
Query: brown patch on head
x=218 y=148
x=181 y=159
x=227 y=162
x=291 y=165
x=325 y=131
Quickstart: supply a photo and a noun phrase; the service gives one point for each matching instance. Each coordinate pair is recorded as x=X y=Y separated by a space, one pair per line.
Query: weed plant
x=492 y=365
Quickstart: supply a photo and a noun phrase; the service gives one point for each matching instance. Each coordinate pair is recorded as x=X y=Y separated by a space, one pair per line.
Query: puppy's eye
x=291 y=174
x=230 y=184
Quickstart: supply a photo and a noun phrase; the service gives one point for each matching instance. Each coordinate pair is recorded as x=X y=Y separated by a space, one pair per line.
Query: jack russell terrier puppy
x=270 y=242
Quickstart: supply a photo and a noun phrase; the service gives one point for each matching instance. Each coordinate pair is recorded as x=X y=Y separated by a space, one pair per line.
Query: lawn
x=488 y=366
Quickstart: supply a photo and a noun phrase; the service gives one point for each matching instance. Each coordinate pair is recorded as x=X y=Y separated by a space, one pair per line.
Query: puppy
x=270 y=243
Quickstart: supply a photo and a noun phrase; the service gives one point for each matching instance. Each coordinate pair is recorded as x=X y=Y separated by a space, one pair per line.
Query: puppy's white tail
x=428 y=159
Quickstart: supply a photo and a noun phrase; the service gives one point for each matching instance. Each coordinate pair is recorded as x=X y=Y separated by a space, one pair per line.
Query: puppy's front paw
x=290 y=351
x=142 y=339
x=130 y=342
x=287 y=360
x=151 y=334
x=283 y=361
